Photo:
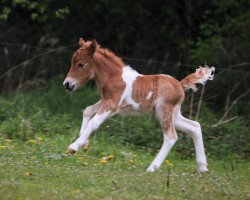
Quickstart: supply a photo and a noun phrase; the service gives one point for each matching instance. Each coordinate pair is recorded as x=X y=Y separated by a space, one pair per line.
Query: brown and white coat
x=123 y=90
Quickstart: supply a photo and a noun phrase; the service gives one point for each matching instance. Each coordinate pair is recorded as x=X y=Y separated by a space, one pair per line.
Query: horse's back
x=148 y=89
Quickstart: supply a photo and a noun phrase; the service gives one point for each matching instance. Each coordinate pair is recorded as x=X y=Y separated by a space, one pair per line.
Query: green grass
x=34 y=169
x=44 y=171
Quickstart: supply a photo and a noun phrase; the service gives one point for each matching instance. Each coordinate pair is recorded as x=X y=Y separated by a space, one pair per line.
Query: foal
x=123 y=90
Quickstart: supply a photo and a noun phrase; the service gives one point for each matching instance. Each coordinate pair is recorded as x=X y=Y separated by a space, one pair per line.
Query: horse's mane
x=107 y=58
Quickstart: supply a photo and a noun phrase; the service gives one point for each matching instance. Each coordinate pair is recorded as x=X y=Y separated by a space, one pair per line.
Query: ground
x=40 y=169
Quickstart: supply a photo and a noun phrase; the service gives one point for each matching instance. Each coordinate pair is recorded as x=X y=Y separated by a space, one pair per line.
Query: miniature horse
x=123 y=90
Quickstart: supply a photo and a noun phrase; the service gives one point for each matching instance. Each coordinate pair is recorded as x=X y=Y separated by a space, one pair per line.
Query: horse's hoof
x=70 y=151
x=203 y=169
x=85 y=147
x=151 y=169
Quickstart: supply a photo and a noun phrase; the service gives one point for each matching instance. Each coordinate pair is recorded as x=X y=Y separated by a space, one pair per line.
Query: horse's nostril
x=66 y=85
x=71 y=88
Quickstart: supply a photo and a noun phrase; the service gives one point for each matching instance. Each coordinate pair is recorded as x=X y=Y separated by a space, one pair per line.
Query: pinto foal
x=123 y=90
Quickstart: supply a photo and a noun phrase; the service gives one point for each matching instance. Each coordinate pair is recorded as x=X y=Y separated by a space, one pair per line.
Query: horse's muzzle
x=68 y=86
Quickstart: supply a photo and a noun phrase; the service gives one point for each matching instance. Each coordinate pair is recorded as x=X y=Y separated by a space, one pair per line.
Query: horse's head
x=81 y=69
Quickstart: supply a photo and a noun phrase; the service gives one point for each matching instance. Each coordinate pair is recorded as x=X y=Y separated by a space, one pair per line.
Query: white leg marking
x=149 y=95
x=93 y=124
x=194 y=130
x=167 y=145
x=88 y=114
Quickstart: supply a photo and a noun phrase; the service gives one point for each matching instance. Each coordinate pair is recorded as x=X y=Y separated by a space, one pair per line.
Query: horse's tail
x=201 y=75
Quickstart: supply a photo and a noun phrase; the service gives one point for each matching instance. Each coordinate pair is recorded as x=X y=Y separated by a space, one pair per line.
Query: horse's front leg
x=103 y=113
x=88 y=113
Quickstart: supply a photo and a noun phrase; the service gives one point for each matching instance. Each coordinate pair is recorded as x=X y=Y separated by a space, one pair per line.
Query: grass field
x=37 y=126
x=39 y=169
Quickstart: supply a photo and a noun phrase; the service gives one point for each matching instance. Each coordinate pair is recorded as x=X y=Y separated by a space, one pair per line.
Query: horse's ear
x=81 y=42
x=92 y=47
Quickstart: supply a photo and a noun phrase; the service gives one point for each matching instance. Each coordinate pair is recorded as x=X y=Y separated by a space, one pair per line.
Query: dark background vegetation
x=37 y=39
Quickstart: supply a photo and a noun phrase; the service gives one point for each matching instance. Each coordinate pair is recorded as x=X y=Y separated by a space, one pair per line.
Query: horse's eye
x=80 y=65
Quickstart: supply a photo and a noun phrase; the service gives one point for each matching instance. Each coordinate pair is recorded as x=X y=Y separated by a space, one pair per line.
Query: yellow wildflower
x=110 y=156
x=40 y=138
x=169 y=163
x=85 y=164
x=33 y=141
x=131 y=162
x=2 y=147
x=27 y=173
x=103 y=160
x=81 y=158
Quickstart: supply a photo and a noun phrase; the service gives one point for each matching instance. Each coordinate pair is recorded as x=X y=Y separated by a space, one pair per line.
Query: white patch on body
x=129 y=76
x=166 y=75
x=149 y=95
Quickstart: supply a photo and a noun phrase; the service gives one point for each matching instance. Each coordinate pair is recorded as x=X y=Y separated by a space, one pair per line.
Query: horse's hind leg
x=164 y=114
x=194 y=130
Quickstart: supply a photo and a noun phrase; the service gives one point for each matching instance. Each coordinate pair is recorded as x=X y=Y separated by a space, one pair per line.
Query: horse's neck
x=105 y=71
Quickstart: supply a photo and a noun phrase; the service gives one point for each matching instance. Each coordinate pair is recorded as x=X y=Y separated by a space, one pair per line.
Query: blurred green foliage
x=179 y=35
x=36 y=10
